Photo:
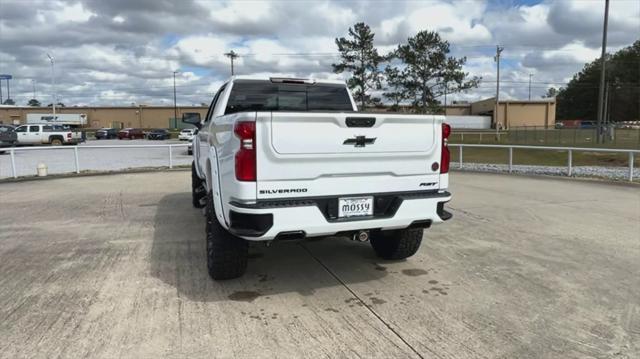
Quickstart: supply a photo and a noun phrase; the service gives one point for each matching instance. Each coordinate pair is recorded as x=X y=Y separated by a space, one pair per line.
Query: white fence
x=23 y=161
x=569 y=150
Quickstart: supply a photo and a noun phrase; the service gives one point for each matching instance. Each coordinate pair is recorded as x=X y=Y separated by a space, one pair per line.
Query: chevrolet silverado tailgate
x=321 y=154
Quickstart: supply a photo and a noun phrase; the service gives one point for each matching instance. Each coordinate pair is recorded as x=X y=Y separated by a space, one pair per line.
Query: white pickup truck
x=55 y=135
x=283 y=159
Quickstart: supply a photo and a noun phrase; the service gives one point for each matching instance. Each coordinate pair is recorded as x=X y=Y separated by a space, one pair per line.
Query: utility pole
x=33 y=82
x=497 y=60
x=175 y=103
x=53 y=86
x=602 y=71
x=232 y=55
x=530 y=76
x=605 y=113
x=446 y=87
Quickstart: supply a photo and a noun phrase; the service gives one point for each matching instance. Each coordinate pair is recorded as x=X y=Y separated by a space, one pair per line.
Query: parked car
x=286 y=159
x=130 y=133
x=8 y=136
x=106 y=133
x=187 y=134
x=158 y=134
x=55 y=135
x=587 y=124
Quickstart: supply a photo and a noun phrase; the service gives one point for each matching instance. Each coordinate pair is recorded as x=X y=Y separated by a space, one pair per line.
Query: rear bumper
x=268 y=220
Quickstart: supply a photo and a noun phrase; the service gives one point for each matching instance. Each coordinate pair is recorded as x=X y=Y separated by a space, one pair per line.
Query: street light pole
x=175 y=104
x=530 y=76
x=497 y=59
x=53 y=86
x=33 y=82
x=602 y=71
x=446 y=87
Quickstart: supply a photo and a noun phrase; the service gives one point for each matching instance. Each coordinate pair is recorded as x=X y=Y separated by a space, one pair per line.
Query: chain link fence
x=542 y=136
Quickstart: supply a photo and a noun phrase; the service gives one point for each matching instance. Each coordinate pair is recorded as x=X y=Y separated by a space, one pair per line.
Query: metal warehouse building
x=511 y=113
x=116 y=117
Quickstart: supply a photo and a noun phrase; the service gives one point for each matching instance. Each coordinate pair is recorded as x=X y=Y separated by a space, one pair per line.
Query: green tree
x=361 y=59
x=551 y=92
x=33 y=103
x=579 y=99
x=429 y=70
x=394 y=89
x=9 y=102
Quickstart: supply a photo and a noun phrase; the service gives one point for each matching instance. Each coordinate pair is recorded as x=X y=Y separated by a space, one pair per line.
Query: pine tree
x=429 y=70
x=361 y=59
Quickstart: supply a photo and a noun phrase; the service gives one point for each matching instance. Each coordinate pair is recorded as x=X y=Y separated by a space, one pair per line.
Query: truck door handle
x=361 y=121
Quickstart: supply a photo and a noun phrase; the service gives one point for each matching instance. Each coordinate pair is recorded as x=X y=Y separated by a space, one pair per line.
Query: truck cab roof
x=279 y=79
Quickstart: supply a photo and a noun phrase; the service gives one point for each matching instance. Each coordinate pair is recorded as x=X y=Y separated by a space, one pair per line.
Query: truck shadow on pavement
x=178 y=259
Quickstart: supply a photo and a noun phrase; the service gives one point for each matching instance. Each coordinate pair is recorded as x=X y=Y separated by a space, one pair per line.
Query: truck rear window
x=268 y=96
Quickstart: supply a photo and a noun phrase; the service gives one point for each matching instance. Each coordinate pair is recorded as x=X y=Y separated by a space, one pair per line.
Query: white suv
x=186 y=134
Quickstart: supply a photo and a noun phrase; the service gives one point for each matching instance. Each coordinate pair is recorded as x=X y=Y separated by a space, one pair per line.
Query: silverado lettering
x=289 y=190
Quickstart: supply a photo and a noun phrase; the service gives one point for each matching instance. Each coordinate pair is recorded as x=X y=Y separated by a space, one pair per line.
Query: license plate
x=355 y=206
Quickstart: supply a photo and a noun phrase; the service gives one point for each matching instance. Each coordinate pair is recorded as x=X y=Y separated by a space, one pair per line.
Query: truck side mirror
x=192 y=118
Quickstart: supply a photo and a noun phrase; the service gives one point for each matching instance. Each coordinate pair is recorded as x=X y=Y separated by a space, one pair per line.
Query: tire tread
x=398 y=244
x=227 y=255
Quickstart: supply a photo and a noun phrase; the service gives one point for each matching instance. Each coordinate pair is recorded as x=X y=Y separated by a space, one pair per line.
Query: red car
x=130 y=133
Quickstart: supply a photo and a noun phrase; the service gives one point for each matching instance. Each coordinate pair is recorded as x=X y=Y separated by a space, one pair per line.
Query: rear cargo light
x=445 y=155
x=246 y=155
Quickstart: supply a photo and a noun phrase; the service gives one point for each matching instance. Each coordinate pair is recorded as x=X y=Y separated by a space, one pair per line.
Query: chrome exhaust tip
x=361 y=236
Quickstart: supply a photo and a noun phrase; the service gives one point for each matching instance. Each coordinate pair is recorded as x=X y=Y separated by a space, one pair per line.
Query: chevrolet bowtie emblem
x=359 y=141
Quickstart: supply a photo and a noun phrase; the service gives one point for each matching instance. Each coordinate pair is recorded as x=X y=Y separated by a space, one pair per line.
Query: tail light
x=69 y=135
x=445 y=155
x=246 y=155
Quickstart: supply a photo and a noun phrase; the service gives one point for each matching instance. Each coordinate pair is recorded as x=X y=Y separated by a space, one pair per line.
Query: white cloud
x=241 y=12
x=122 y=51
x=75 y=12
x=203 y=49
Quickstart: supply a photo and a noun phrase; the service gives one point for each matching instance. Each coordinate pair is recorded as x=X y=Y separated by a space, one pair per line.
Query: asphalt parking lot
x=113 y=266
x=61 y=159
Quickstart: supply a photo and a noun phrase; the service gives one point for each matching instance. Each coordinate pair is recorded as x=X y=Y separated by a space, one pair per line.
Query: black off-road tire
x=398 y=244
x=198 y=190
x=227 y=254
